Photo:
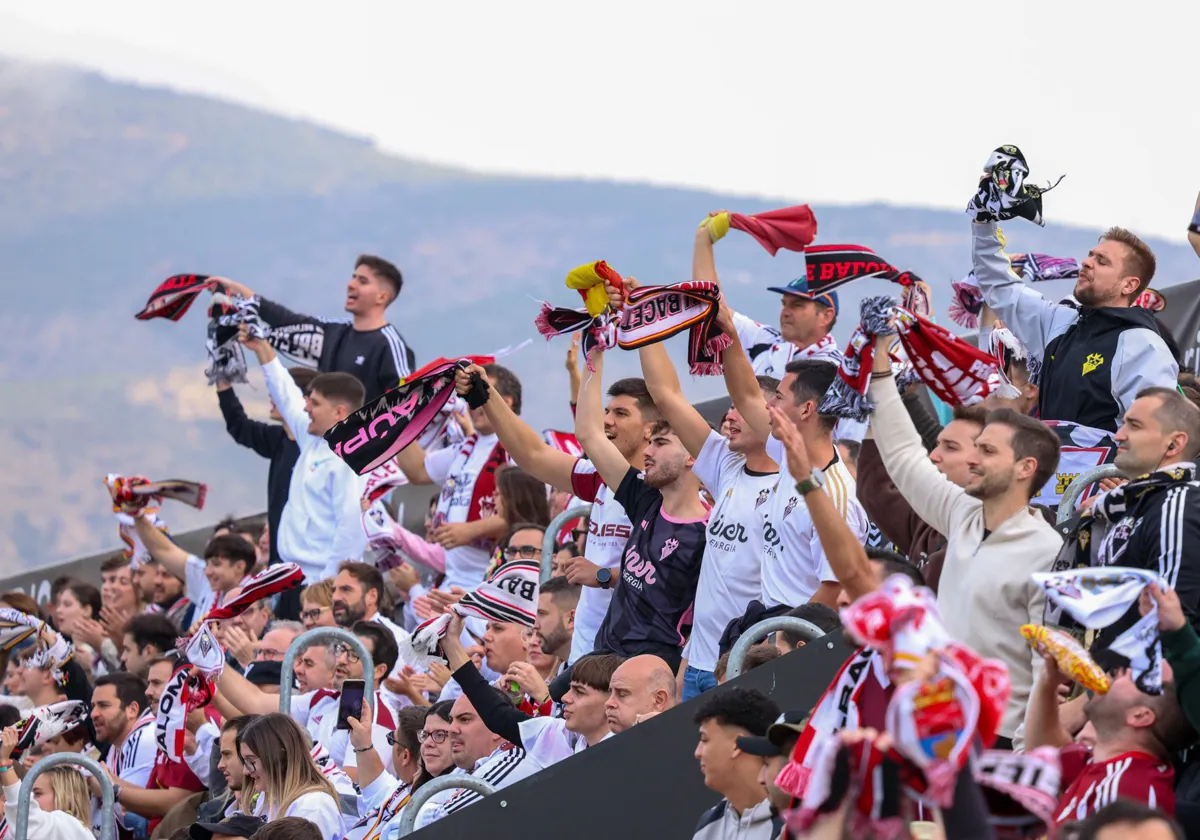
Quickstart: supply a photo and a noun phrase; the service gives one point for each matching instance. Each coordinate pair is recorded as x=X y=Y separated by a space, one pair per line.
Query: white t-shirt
x=318 y=808
x=197 y=588
x=731 y=571
x=547 y=741
x=456 y=468
x=794 y=562
x=608 y=532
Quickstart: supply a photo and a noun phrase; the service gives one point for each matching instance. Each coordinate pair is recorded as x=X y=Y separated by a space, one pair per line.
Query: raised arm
x=173 y=558
x=589 y=429
x=248 y=698
x=1043 y=727
x=663 y=384
x=520 y=441
x=704 y=264
x=253 y=434
x=740 y=380
x=1032 y=318
x=411 y=461
x=284 y=391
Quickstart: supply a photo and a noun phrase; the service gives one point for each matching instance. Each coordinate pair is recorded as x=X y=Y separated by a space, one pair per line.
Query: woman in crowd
x=60 y=808
x=520 y=497
x=437 y=756
x=316 y=605
x=76 y=601
x=281 y=778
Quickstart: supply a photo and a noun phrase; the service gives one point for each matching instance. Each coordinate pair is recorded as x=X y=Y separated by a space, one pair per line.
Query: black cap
x=787 y=726
x=239 y=825
x=264 y=673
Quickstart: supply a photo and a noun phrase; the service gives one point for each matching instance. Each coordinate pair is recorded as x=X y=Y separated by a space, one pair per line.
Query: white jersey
x=547 y=741
x=506 y=766
x=794 y=562
x=731 y=571
x=134 y=761
x=456 y=468
x=317 y=712
x=608 y=532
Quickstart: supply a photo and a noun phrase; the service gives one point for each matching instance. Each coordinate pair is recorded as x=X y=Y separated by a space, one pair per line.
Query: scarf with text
x=597 y=320
x=373 y=434
x=509 y=595
x=1152 y=300
x=830 y=266
x=1096 y=598
x=1003 y=191
x=790 y=228
x=186 y=691
x=175 y=296
x=51 y=649
x=41 y=724
x=1021 y=790
x=655 y=313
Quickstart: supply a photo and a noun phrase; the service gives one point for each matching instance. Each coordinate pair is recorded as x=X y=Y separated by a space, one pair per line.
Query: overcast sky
x=823 y=102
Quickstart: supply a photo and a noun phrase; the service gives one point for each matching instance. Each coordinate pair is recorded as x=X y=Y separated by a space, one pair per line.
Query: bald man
x=641 y=687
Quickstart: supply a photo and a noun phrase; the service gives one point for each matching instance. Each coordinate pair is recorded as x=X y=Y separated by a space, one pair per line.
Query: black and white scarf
x=1113 y=511
x=1003 y=192
x=655 y=313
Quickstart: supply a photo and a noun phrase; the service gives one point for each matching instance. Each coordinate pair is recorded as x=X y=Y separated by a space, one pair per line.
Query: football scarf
x=917 y=297
x=1005 y=348
x=483 y=494
x=1003 y=191
x=1152 y=300
x=860 y=772
x=186 y=691
x=381 y=528
x=1114 y=506
x=830 y=266
x=373 y=825
x=823 y=350
x=966 y=302
x=1021 y=790
x=136 y=492
x=790 y=228
x=509 y=595
x=1038 y=267
x=270 y=581
x=847 y=396
x=597 y=319
x=373 y=434
x=14 y=632
x=226 y=357
x=52 y=650
x=655 y=313
x=175 y=296
x=1098 y=597
x=45 y=722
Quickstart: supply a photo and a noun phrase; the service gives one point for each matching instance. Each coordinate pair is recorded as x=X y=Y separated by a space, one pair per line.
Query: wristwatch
x=604 y=578
x=815 y=481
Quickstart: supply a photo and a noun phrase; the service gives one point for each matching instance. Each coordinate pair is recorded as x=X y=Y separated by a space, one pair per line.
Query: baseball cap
x=800 y=288
x=239 y=825
x=264 y=673
x=787 y=725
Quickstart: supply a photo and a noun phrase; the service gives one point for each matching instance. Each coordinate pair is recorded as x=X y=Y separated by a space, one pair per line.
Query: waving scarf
x=175 y=296
x=655 y=313
x=830 y=266
x=186 y=691
x=1021 y=790
x=509 y=595
x=137 y=491
x=45 y=722
x=51 y=651
x=1006 y=349
x=966 y=302
x=270 y=581
x=1003 y=192
x=860 y=772
x=597 y=320
x=1039 y=267
x=790 y=228
x=847 y=396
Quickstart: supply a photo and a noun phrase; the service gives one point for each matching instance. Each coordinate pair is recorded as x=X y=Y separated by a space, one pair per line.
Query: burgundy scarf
x=655 y=313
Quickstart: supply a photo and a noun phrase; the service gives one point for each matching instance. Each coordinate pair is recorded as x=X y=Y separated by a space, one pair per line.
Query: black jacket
x=379 y=358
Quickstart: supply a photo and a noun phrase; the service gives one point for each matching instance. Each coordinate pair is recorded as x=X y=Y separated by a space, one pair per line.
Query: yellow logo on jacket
x=1093 y=361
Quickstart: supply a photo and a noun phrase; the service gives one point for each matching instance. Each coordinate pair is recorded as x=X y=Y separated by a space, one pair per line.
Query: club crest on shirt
x=763 y=495
x=668 y=548
x=791 y=506
x=1093 y=361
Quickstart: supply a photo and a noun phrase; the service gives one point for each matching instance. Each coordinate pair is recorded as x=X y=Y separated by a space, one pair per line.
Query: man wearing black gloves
x=368 y=347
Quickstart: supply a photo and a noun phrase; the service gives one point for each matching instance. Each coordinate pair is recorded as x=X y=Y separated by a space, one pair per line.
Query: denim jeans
x=696 y=682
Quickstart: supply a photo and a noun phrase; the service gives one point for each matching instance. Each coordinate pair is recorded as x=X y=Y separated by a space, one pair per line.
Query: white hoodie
x=44 y=825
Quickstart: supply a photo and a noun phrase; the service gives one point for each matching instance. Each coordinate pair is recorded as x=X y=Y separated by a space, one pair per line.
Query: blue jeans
x=697 y=682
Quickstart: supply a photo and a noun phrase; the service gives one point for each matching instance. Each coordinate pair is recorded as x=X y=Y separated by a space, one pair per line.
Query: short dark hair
x=564 y=593
x=744 y=708
x=976 y=414
x=385 y=651
x=237 y=724
x=288 y=828
x=385 y=270
x=595 y=670
x=130 y=688
x=813 y=379
x=117 y=561
x=506 y=384
x=635 y=387
x=1031 y=438
x=303 y=377
x=767 y=383
x=9 y=715
x=233 y=548
x=154 y=630
x=1124 y=811
x=368 y=576
x=441 y=709
x=87 y=595
x=852 y=447
x=821 y=615
x=340 y=389
x=1177 y=414
x=760 y=654
x=895 y=564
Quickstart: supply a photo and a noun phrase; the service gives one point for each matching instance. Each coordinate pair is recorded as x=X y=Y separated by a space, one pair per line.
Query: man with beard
x=229 y=765
x=995 y=540
x=660 y=566
x=358 y=592
x=1095 y=359
x=555 y=622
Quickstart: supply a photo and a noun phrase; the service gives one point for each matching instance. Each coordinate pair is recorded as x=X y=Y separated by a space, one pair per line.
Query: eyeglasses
x=251 y=765
x=343 y=649
x=438 y=736
x=525 y=552
x=313 y=615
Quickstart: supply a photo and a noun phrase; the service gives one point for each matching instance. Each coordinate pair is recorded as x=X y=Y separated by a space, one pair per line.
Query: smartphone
x=351 y=702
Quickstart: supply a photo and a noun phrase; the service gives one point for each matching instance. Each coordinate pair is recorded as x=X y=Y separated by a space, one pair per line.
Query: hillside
x=102 y=199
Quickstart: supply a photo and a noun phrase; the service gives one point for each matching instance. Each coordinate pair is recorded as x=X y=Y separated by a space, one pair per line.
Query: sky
x=821 y=102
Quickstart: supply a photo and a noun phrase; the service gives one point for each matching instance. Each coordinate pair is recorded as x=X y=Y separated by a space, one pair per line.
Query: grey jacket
x=721 y=822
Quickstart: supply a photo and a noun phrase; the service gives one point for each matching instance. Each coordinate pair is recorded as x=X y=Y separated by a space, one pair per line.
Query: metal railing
x=552 y=532
x=737 y=654
x=1066 y=505
x=430 y=789
x=108 y=828
x=326 y=635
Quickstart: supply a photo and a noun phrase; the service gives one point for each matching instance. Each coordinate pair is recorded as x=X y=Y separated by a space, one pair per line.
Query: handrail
x=323 y=634
x=552 y=531
x=737 y=654
x=108 y=826
x=408 y=819
x=1066 y=504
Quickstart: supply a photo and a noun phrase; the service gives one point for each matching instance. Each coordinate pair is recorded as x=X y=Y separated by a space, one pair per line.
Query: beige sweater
x=985 y=593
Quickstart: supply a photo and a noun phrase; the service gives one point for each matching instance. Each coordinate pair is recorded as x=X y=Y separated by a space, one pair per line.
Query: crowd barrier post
x=328 y=635
x=737 y=654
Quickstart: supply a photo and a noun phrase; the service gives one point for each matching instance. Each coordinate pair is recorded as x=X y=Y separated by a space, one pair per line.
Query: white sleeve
x=753 y=334
x=776 y=451
x=145 y=751
x=301 y=706
x=1142 y=361
x=375 y=794
x=438 y=462
x=321 y=810
x=349 y=539
x=288 y=399
x=1031 y=317
x=712 y=462
x=200 y=762
x=544 y=740
x=196 y=585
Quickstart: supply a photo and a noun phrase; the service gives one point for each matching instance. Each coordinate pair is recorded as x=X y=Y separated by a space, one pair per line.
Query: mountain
x=107 y=188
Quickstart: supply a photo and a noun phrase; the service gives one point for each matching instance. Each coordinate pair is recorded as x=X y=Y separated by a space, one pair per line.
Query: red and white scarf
x=483 y=492
x=652 y=314
x=790 y=228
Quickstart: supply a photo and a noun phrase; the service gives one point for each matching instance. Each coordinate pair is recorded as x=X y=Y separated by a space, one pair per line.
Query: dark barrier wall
x=636 y=788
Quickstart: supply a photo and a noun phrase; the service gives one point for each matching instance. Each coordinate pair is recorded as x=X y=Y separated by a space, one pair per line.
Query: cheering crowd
x=1012 y=676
